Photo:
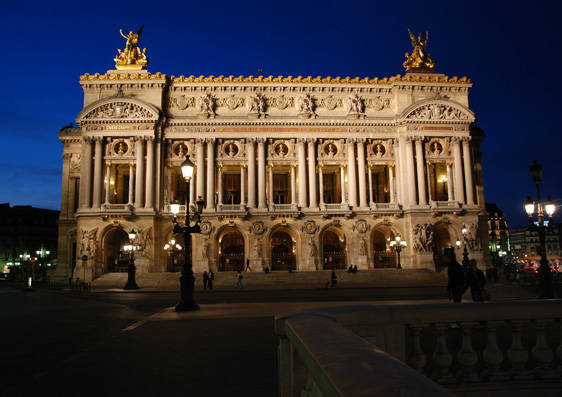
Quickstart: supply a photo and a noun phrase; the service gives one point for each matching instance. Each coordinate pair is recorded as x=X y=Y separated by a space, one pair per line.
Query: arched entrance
x=383 y=256
x=282 y=251
x=116 y=258
x=231 y=252
x=442 y=242
x=334 y=249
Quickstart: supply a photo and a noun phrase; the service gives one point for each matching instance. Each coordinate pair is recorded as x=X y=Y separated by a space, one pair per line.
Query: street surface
x=133 y=343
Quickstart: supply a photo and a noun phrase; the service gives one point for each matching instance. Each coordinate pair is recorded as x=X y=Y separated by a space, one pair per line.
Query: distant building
x=498 y=234
x=525 y=244
x=24 y=230
x=311 y=173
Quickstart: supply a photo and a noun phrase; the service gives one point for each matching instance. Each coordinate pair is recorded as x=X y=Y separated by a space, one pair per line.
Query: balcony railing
x=514 y=345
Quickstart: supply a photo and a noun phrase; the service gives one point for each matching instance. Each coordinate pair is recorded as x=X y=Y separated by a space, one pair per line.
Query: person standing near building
x=239 y=281
x=475 y=280
x=211 y=277
x=334 y=278
x=205 y=280
x=455 y=286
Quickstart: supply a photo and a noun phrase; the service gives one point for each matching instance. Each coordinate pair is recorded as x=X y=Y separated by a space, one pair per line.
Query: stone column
x=251 y=152
x=391 y=184
x=139 y=179
x=410 y=171
x=149 y=191
x=468 y=170
x=191 y=197
x=86 y=174
x=312 y=173
x=271 y=198
x=302 y=172
x=351 y=173
x=210 y=200
x=293 y=186
x=220 y=186
x=107 y=183
x=459 y=183
x=321 y=185
x=200 y=142
x=422 y=195
x=361 y=172
x=242 y=185
x=169 y=188
x=450 y=191
x=262 y=200
x=370 y=168
x=98 y=171
x=342 y=182
x=131 y=182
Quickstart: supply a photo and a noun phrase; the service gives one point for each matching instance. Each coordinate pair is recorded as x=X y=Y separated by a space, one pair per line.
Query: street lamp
x=397 y=244
x=172 y=247
x=187 y=281
x=465 y=260
x=131 y=269
x=544 y=272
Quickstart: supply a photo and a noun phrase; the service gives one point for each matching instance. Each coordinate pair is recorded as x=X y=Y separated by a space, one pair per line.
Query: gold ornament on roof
x=419 y=60
x=132 y=58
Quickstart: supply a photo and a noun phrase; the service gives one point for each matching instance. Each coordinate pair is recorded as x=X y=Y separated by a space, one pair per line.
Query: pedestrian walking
x=239 y=281
x=205 y=280
x=455 y=286
x=476 y=281
x=334 y=278
x=248 y=268
x=211 y=278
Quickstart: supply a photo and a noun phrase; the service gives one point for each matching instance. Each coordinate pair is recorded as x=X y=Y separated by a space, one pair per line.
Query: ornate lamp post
x=397 y=244
x=544 y=272
x=172 y=247
x=131 y=269
x=187 y=281
x=465 y=260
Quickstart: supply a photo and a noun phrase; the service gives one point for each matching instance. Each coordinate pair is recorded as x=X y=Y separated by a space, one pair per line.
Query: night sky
x=512 y=52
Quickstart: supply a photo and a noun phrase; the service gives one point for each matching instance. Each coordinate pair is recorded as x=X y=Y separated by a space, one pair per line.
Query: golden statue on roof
x=132 y=58
x=419 y=60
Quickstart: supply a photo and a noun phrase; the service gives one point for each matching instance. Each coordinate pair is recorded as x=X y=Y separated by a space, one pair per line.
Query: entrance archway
x=116 y=258
x=231 y=252
x=442 y=242
x=382 y=254
x=282 y=251
x=334 y=249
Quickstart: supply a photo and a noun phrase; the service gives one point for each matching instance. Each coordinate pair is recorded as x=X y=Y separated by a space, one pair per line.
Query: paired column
x=361 y=172
x=459 y=185
x=342 y=183
x=302 y=172
x=391 y=183
x=210 y=201
x=107 y=183
x=262 y=199
x=370 y=167
x=86 y=174
x=149 y=190
x=293 y=186
x=251 y=152
x=139 y=193
x=242 y=185
x=321 y=184
x=98 y=171
x=351 y=173
x=131 y=182
x=468 y=170
x=271 y=199
x=450 y=191
x=220 y=186
x=200 y=143
x=312 y=173
x=422 y=195
x=410 y=171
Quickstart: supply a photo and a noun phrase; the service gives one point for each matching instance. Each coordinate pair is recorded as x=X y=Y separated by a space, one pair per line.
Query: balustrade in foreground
x=472 y=347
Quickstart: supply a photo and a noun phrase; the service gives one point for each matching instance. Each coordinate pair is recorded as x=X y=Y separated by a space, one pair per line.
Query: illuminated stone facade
x=312 y=173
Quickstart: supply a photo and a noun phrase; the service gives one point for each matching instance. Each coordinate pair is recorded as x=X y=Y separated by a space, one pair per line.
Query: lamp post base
x=131 y=282
x=187 y=301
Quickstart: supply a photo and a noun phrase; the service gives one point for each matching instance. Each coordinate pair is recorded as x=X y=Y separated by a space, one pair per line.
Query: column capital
x=419 y=139
x=200 y=141
x=261 y=141
x=98 y=139
x=210 y=140
x=351 y=140
x=360 y=141
x=456 y=140
x=88 y=139
x=408 y=139
x=301 y=140
x=466 y=139
x=311 y=141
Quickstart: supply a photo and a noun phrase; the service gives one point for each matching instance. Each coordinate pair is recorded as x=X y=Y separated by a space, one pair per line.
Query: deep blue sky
x=512 y=52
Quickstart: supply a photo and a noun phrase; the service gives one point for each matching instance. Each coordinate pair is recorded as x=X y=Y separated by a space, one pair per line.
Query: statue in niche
x=363 y=247
x=205 y=249
x=311 y=248
x=257 y=248
x=419 y=60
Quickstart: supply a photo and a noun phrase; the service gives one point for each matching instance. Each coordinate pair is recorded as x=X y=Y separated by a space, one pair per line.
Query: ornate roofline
x=414 y=78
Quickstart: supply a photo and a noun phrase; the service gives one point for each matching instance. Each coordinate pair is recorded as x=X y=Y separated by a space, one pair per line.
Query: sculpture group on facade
x=132 y=55
x=418 y=60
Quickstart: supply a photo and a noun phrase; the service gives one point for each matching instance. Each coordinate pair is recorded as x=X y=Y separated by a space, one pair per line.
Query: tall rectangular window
x=281 y=188
x=232 y=188
x=329 y=188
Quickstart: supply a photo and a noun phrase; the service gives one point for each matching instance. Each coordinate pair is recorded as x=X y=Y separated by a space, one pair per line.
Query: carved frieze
x=437 y=111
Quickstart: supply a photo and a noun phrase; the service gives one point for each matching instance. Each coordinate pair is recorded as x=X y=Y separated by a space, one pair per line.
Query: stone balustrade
x=514 y=345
